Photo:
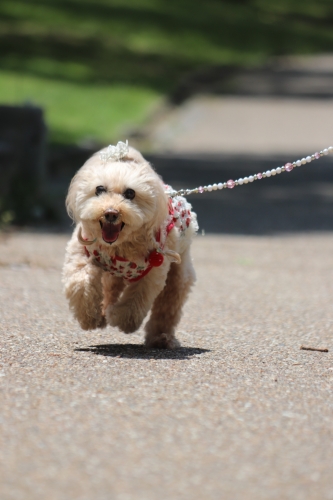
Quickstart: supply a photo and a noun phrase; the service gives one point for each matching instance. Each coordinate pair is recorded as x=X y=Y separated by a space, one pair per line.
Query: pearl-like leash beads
x=288 y=167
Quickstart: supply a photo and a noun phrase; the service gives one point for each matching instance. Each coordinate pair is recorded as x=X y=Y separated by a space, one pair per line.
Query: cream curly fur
x=97 y=298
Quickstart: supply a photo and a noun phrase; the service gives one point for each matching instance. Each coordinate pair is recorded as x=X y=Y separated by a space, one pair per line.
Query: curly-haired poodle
x=130 y=250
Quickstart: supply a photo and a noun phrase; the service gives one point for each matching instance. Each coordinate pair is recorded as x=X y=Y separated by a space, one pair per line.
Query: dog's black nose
x=111 y=215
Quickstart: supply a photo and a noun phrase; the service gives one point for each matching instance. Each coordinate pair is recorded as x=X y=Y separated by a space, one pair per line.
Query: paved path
x=284 y=108
x=245 y=125
x=239 y=412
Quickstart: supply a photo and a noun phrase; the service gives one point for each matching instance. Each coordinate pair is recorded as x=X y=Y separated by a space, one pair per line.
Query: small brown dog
x=130 y=250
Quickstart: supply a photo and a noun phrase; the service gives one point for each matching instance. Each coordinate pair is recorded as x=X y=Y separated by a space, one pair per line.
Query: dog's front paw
x=162 y=341
x=127 y=318
x=90 y=323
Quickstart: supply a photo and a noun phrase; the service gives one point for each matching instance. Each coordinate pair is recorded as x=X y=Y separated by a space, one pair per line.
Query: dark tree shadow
x=290 y=203
x=137 y=351
x=98 y=49
x=301 y=201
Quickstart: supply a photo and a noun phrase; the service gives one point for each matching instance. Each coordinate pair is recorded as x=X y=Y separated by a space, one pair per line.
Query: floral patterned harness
x=180 y=216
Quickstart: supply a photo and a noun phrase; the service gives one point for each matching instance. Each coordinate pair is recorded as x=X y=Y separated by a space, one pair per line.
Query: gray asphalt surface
x=239 y=412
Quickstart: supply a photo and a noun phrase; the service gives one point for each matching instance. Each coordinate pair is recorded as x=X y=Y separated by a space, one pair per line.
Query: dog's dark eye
x=129 y=194
x=99 y=190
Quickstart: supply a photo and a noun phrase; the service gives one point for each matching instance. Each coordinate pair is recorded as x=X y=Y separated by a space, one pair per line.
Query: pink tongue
x=110 y=232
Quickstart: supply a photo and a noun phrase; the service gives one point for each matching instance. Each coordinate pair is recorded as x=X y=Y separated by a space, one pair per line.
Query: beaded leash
x=120 y=151
x=288 y=167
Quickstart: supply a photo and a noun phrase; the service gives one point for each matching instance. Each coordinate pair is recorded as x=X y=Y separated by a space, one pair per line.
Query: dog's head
x=115 y=201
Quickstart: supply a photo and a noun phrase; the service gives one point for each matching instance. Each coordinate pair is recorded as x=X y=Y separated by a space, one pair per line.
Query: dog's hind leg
x=167 y=308
x=136 y=300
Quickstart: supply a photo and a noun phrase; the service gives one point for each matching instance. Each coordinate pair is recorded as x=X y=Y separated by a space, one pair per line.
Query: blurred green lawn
x=99 y=66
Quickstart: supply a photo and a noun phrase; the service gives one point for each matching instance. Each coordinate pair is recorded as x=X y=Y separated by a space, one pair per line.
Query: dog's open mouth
x=110 y=232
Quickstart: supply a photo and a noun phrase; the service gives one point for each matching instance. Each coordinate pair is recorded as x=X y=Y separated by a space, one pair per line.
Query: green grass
x=100 y=65
x=76 y=112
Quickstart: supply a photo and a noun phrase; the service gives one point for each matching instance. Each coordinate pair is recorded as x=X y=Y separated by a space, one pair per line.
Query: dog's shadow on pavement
x=137 y=351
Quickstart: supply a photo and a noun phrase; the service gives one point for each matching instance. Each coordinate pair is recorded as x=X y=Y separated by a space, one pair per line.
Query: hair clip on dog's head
x=115 y=153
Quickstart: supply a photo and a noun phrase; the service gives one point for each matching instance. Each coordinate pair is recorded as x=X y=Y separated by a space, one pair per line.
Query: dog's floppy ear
x=71 y=198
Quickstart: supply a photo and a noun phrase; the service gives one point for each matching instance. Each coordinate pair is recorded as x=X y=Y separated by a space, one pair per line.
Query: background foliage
x=97 y=66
